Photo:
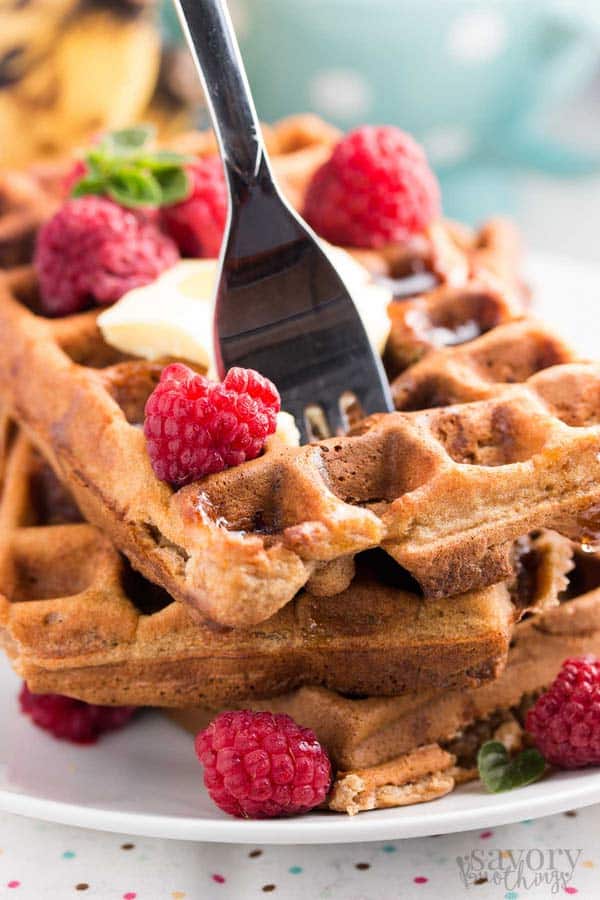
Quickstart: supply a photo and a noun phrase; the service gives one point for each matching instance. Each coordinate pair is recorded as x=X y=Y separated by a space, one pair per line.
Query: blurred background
x=504 y=94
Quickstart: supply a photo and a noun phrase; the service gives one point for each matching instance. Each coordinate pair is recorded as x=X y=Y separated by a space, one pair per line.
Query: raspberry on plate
x=197 y=223
x=195 y=426
x=72 y=720
x=258 y=765
x=565 y=721
x=377 y=188
x=94 y=249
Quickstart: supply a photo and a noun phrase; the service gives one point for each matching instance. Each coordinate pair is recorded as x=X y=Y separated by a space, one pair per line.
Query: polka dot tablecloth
x=555 y=856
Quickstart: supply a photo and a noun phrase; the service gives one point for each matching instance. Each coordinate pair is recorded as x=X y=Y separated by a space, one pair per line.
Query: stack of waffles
x=405 y=589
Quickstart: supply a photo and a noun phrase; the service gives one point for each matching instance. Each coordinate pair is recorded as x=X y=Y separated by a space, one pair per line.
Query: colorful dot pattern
x=105 y=865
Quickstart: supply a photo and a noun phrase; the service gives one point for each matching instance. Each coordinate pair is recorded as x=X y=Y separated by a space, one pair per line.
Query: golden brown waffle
x=361 y=733
x=77 y=620
x=445 y=492
x=26 y=200
x=411 y=749
x=418 y=777
x=480 y=368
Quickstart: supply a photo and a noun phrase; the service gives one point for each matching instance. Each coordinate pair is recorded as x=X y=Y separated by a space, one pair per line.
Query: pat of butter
x=172 y=316
x=286 y=433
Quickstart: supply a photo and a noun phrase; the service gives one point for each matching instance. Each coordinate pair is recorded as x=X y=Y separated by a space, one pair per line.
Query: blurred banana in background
x=71 y=68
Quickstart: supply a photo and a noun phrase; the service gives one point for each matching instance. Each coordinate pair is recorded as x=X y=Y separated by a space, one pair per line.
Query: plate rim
x=320 y=828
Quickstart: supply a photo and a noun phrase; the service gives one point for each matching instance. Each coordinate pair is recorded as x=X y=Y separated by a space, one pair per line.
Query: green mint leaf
x=174 y=184
x=166 y=158
x=89 y=184
x=129 y=187
x=95 y=165
x=125 y=167
x=499 y=772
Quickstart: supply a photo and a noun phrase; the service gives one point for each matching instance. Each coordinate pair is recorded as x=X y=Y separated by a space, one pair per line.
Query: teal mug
x=471 y=80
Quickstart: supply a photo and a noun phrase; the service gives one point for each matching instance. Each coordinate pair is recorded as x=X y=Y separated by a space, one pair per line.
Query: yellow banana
x=100 y=73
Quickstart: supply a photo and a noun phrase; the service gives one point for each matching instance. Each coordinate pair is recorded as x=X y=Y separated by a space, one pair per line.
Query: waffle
x=481 y=368
x=360 y=733
x=75 y=619
x=402 y=750
x=26 y=200
x=445 y=491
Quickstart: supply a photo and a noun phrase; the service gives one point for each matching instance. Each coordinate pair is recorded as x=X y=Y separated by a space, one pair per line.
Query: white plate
x=145 y=779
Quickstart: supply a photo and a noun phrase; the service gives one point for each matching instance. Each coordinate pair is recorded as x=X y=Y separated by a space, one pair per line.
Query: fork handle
x=212 y=41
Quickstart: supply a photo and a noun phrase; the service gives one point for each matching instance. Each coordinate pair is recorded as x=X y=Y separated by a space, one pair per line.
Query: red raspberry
x=72 y=720
x=377 y=188
x=196 y=224
x=258 y=765
x=565 y=721
x=92 y=248
x=194 y=426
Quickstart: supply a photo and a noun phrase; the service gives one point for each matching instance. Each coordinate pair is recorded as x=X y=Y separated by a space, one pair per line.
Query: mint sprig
x=500 y=772
x=125 y=167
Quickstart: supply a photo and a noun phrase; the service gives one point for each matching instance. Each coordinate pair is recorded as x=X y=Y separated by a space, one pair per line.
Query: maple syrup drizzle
x=588 y=529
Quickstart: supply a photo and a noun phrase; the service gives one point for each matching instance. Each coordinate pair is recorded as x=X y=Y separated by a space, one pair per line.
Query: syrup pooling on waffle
x=444 y=491
x=77 y=620
x=458 y=287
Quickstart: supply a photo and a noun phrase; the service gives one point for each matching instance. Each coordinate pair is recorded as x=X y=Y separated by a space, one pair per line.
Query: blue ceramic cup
x=469 y=79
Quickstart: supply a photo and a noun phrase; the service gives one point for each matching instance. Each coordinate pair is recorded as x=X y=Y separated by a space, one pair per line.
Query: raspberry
x=72 y=720
x=258 y=765
x=92 y=248
x=377 y=188
x=196 y=224
x=194 y=426
x=565 y=721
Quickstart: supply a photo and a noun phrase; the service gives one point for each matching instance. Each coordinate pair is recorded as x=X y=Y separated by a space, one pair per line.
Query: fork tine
x=334 y=417
x=295 y=407
x=372 y=393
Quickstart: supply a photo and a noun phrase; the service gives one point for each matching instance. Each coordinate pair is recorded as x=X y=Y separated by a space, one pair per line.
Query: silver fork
x=280 y=305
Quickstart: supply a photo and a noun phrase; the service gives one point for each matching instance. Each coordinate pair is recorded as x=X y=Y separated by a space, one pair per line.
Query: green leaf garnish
x=89 y=184
x=131 y=187
x=125 y=167
x=127 y=139
x=499 y=772
x=173 y=182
